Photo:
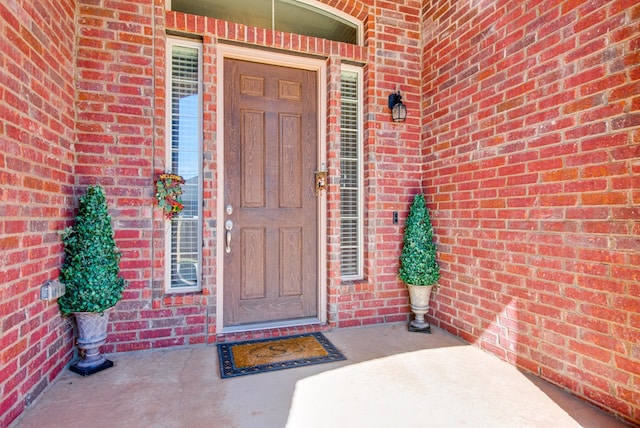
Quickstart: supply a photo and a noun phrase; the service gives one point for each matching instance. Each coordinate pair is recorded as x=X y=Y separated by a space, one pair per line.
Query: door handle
x=228 y=225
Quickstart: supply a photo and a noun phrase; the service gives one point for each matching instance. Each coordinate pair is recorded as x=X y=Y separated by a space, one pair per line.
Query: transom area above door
x=291 y=16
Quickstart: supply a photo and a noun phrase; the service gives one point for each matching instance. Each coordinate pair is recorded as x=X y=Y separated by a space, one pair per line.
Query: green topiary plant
x=90 y=271
x=418 y=264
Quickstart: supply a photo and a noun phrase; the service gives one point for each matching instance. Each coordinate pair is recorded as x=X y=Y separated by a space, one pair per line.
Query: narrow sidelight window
x=351 y=246
x=184 y=154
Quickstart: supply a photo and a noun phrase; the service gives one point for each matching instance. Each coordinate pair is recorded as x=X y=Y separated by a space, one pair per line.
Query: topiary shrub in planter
x=419 y=268
x=90 y=273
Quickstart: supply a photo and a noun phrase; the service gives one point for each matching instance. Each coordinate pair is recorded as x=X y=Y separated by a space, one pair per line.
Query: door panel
x=291 y=162
x=270 y=272
x=290 y=261
x=252 y=244
x=253 y=158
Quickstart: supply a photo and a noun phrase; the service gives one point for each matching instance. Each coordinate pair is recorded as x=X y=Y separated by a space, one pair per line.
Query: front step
x=266 y=333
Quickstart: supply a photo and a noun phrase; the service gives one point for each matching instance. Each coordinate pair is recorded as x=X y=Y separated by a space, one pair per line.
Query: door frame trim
x=225 y=51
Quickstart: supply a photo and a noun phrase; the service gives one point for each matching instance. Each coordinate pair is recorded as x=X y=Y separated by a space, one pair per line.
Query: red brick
x=604 y=313
x=627 y=365
x=609 y=198
x=593 y=352
x=627 y=121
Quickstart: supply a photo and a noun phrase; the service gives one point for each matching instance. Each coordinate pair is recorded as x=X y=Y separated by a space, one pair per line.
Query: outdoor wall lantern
x=398 y=110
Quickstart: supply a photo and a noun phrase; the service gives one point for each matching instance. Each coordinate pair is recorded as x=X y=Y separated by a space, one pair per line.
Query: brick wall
x=36 y=193
x=532 y=147
x=391 y=158
x=115 y=80
x=121 y=84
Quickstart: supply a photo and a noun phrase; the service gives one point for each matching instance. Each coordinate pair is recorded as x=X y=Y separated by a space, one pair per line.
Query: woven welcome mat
x=263 y=355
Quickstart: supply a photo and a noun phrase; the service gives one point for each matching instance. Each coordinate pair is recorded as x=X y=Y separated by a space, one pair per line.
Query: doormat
x=263 y=355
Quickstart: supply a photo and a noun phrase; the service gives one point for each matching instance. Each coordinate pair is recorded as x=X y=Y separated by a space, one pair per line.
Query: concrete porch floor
x=391 y=378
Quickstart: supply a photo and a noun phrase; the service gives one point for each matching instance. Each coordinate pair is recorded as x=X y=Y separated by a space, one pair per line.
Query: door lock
x=321 y=181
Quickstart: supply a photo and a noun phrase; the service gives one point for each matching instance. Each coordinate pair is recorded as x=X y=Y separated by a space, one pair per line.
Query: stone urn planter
x=91 y=275
x=92 y=334
x=419 y=269
x=419 y=296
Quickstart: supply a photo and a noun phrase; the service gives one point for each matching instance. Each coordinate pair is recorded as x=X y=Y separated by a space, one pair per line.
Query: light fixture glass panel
x=399 y=112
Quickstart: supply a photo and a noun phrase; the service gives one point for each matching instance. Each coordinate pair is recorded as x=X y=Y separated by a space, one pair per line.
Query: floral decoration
x=168 y=194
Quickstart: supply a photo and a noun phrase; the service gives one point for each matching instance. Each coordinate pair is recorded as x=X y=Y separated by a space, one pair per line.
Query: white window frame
x=170 y=43
x=360 y=181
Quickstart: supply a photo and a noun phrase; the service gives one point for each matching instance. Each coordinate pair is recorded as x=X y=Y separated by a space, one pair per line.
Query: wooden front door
x=270 y=156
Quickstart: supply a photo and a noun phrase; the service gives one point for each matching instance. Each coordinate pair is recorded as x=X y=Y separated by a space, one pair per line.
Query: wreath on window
x=168 y=194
